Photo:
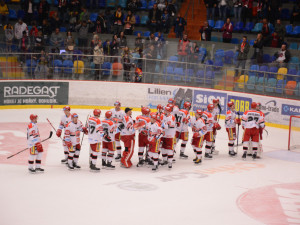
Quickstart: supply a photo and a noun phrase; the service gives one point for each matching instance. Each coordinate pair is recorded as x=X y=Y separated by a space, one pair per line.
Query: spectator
x=139 y=42
x=9 y=36
x=107 y=49
x=28 y=9
x=108 y=20
x=46 y=30
x=133 y=5
x=54 y=21
x=222 y=9
x=24 y=45
x=211 y=6
x=194 y=56
x=260 y=10
x=127 y=67
x=126 y=51
x=283 y=56
x=39 y=42
x=280 y=30
x=266 y=32
x=165 y=22
x=83 y=29
x=43 y=10
x=160 y=44
x=154 y=18
x=84 y=15
x=151 y=56
x=273 y=10
x=295 y=16
x=122 y=40
x=179 y=26
x=161 y=4
x=74 y=6
x=183 y=48
x=100 y=26
x=243 y=50
x=129 y=23
x=73 y=20
x=117 y=68
x=3 y=13
x=258 y=49
x=20 y=27
x=95 y=42
x=150 y=40
x=98 y=60
x=275 y=40
x=237 y=10
x=69 y=43
x=56 y=40
x=170 y=7
x=42 y=69
x=205 y=32
x=118 y=24
x=33 y=31
x=247 y=10
x=62 y=9
x=227 y=31
x=115 y=45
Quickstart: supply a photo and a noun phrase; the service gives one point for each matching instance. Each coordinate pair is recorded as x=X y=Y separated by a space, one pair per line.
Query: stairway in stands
x=11 y=68
x=196 y=15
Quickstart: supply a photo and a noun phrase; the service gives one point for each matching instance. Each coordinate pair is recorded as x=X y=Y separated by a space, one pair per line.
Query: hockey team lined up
x=158 y=134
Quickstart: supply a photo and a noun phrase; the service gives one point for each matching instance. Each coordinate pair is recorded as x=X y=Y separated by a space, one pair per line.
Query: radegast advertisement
x=203 y=98
x=161 y=94
x=34 y=93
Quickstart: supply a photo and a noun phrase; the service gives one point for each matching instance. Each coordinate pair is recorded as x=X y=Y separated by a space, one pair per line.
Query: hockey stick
x=220 y=110
x=53 y=127
x=28 y=148
x=88 y=116
x=237 y=138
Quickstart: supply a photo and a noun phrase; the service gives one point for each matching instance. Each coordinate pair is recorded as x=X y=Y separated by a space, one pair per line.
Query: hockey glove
x=58 y=133
x=217 y=126
x=68 y=144
x=238 y=121
x=185 y=120
x=39 y=147
x=84 y=130
x=107 y=138
x=121 y=126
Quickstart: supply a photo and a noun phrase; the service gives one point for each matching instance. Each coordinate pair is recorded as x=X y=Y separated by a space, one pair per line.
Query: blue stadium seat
x=296 y=31
x=144 y=20
x=57 y=64
x=251 y=43
x=292 y=72
x=220 y=54
x=270 y=85
x=67 y=67
x=215 y=39
x=211 y=23
x=260 y=84
x=151 y=3
x=253 y=73
x=102 y=3
x=12 y=14
x=263 y=71
x=169 y=71
x=106 y=66
x=251 y=83
x=219 y=24
x=249 y=26
x=257 y=28
x=21 y=14
x=122 y=3
x=239 y=26
x=63 y=29
x=146 y=34
x=266 y=58
x=297 y=90
x=93 y=17
x=293 y=46
x=209 y=78
x=202 y=54
x=137 y=19
x=285 y=14
x=289 y=29
x=228 y=57
x=200 y=77
x=30 y=64
x=280 y=86
x=294 y=62
x=179 y=74
x=144 y=5
x=137 y=31
x=235 y=41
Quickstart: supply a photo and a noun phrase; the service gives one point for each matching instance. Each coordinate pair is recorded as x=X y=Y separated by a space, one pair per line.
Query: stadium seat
x=280 y=86
x=297 y=90
x=110 y=3
x=78 y=67
x=254 y=71
x=93 y=17
x=57 y=66
x=248 y=27
x=209 y=78
x=296 y=31
x=106 y=68
x=219 y=24
x=293 y=46
x=122 y=3
x=169 y=71
x=289 y=29
x=228 y=57
x=251 y=83
x=30 y=65
x=294 y=62
x=92 y=68
x=102 y=3
x=219 y=54
x=293 y=73
x=257 y=28
x=281 y=73
x=21 y=14
x=12 y=14
x=218 y=65
x=144 y=20
x=137 y=19
x=199 y=77
x=151 y=3
x=63 y=29
x=263 y=71
x=189 y=74
x=67 y=67
x=239 y=26
x=271 y=26
x=179 y=74
x=211 y=23
x=235 y=41
x=144 y=5
x=251 y=43
x=260 y=84
x=272 y=72
x=285 y=14
x=270 y=85
x=266 y=58
x=243 y=79
x=202 y=54
x=215 y=39
x=137 y=32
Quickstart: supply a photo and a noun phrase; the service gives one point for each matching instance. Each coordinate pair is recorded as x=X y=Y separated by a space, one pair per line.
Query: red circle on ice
x=276 y=204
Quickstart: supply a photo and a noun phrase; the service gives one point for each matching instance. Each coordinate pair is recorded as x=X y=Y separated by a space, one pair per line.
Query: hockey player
x=260 y=148
x=34 y=144
x=252 y=120
x=109 y=146
x=175 y=108
x=118 y=115
x=65 y=119
x=231 y=121
x=95 y=133
x=127 y=136
x=160 y=109
x=209 y=123
x=154 y=136
x=199 y=130
x=72 y=140
x=182 y=132
x=143 y=135
x=168 y=125
x=216 y=113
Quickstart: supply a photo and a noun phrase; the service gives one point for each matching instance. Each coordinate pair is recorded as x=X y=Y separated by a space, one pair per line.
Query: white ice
x=187 y=194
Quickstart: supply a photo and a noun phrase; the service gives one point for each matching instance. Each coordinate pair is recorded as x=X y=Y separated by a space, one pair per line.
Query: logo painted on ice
x=203 y=98
x=290 y=110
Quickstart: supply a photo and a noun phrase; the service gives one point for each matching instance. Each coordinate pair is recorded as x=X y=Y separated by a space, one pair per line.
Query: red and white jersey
x=253 y=118
x=154 y=130
x=109 y=128
x=198 y=126
x=118 y=114
x=182 y=113
x=215 y=113
x=175 y=110
x=72 y=132
x=95 y=130
x=128 y=123
x=142 y=118
x=208 y=119
x=169 y=124
x=33 y=134
x=64 y=121
x=230 y=119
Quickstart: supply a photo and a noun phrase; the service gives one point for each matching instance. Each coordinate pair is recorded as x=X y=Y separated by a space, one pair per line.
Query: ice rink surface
x=223 y=191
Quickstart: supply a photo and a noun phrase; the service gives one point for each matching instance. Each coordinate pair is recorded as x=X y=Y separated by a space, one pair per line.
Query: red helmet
x=67 y=108
x=253 y=105
x=216 y=100
x=97 y=112
x=145 y=110
x=171 y=106
x=168 y=109
x=187 y=105
x=158 y=117
x=33 y=116
x=171 y=100
x=199 y=112
x=210 y=107
x=74 y=115
x=230 y=104
x=117 y=103
x=159 y=107
x=153 y=115
x=108 y=114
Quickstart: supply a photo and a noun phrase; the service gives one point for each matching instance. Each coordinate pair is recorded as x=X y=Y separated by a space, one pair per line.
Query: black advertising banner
x=34 y=93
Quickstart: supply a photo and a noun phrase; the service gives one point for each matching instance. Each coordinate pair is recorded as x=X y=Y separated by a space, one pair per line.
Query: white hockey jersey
x=230 y=119
x=198 y=126
x=168 y=125
x=118 y=114
x=64 y=121
x=209 y=120
x=33 y=134
x=109 y=128
x=215 y=113
x=128 y=129
x=253 y=118
x=182 y=113
x=72 y=132
x=95 y=130
x=154 y=130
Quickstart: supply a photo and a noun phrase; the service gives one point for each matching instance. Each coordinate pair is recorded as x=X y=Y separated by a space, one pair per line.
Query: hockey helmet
x=145 y=110
x=159 y=107
x=168 y=109
x=216 y=100
x=117 y=103
x=258 y=107
x=199 y=112
x=108 y=114
x=153 y=115
x=210 y=107
x=253 y=105
x=97 y=112
x=67 y=108
x=74 y=115
x=187 y=105
x=171 y=100
x=230 y=104
x=33 y=116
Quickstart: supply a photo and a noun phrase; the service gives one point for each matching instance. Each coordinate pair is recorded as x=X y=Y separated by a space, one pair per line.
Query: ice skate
x=170 y=165
x=208 y=156
x=183 y=156
x=140 y=163
x=70 y=167
x=232 y=153
x=155 y=168
x=94 y=168
x=31 y=170
x=76 y=166
x=198 y=161
x=118 y=158
x=64 y=161
x=254 y=156
x=39 y=170
x=109 y=166
x=103 y=163
x=244 y=156
x=195 y=159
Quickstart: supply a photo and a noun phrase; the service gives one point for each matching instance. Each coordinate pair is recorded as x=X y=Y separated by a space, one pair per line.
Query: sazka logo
x=30 y=91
